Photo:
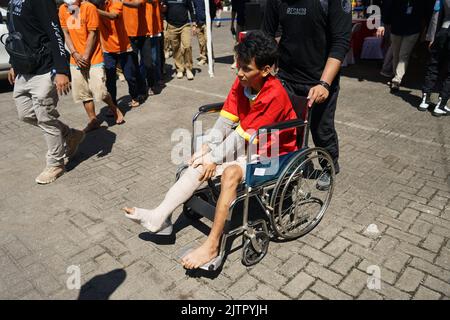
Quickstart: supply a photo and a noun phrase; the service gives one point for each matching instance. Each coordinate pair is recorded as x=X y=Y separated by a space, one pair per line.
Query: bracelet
x=324 y=84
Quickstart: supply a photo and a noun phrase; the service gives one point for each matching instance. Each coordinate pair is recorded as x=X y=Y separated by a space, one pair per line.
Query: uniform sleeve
x=233 y=144
x=46 y=12
x=93 y=19
x=271 y=18
x=62 y=18
x=340 y=26
x=116 y=7
x=230 y=107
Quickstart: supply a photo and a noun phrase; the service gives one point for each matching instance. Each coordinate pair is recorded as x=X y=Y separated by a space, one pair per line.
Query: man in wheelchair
x=256 y=99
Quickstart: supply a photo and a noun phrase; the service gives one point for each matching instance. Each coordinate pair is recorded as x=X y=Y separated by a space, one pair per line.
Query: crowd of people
x=405 y=23
x=100 y=36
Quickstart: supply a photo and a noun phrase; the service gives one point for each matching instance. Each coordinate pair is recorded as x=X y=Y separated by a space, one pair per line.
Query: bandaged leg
x=178 y=194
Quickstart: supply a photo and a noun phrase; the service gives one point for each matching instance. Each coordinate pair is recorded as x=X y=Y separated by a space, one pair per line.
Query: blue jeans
x=150 y=58
x=129 y=63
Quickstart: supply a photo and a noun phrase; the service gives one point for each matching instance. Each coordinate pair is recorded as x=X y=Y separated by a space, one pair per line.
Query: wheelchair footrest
x=202 y=207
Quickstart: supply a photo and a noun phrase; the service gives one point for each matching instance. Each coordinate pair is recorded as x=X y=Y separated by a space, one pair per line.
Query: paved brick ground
x=395 y=174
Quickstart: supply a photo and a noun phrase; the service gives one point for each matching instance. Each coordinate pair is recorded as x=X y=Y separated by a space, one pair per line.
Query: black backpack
x=23 y=59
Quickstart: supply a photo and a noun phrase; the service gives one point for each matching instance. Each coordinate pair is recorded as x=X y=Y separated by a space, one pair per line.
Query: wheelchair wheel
x=299 y=200
x=250 y=256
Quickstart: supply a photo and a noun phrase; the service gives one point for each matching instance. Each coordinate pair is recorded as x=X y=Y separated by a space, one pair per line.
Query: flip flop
x=166 y=228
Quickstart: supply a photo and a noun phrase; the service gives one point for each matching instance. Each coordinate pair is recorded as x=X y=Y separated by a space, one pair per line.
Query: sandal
x=134 y=104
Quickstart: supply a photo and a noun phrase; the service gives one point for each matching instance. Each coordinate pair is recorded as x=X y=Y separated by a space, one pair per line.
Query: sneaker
x=179 y=75
x=440 y=110
x=167 y=55
x=189 y=74
x=50 y=174
x=202 y=62
x=324 y=181
x=395 y=87
x=73 y=140
x=425 y=102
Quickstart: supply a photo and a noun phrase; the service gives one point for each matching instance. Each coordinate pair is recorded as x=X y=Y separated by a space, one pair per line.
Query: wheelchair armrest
x=284 y=125
x=212 y=107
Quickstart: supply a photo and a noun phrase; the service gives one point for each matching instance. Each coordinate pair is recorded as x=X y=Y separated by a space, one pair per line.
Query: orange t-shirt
x=153 y=18
x=134 y=19
x=83 y=20
x=114 y=37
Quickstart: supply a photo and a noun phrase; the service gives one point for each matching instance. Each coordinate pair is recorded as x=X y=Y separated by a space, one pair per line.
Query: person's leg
x=201 y=36
x=230 y=180
x=110 y=60
x=322 y=127
x=156 y=63
x=396 y=42
x=406 y=47
x=45 y=99
x=98 y=88
x=132 y=76
x=186 y=50
x=174 y=37
x=147 y=61
x=387 y=69
x=441 y=108
x=178 y=194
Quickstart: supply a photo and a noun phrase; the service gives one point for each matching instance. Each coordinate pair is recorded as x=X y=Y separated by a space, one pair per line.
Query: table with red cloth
x=358 y=38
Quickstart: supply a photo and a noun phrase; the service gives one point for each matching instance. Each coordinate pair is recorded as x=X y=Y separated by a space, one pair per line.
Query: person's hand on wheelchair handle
x=317 y=94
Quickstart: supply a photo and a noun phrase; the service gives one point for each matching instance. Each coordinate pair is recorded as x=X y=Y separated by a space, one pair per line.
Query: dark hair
x=257 y=45
x=98 y=3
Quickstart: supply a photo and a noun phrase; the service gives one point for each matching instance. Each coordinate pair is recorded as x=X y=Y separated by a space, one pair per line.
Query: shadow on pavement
x=225 y=59
x=96 y=143
x=101 y=287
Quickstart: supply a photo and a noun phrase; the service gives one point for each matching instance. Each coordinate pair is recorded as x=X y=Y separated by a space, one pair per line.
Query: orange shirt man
x=80 y=23
x=117 y=50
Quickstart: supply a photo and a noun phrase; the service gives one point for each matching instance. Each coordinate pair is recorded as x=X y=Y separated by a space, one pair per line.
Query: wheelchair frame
x=255 y=240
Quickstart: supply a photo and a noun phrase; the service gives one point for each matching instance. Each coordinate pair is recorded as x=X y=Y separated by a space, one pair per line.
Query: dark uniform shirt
x=406 y=17
x=38 y=23
x=177 y=12
x=311 y=33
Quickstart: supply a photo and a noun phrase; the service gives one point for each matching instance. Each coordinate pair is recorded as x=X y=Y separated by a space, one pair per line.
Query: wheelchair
x=290 y=200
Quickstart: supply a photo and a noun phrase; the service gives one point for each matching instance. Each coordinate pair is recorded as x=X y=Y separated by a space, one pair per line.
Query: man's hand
x=62 y=84
x=317 y=94
x=87 y=60
x=209 y=170
x=11 y=76
x=430 y=45
x=194 y=30
x=79 y=60
x=200 y=153
x=380 y=32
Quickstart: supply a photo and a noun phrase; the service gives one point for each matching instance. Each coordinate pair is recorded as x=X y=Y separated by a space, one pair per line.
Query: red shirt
x=272 y=105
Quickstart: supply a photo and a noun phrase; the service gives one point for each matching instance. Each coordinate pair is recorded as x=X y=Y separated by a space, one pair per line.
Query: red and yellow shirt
x=79 y=23
x=114 y=37
x=272 y=105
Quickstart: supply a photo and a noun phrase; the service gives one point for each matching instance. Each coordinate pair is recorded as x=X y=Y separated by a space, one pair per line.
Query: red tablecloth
x=358 y=37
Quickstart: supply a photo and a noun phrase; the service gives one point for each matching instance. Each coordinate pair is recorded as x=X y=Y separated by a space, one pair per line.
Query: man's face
x=249 y=75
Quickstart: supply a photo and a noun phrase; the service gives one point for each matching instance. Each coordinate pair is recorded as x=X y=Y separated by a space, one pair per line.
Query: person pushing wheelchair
x=256 y=99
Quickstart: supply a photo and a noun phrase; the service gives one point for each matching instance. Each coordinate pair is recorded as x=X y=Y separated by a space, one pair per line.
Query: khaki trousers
x=36 y=98
x=180 y=40
x=402 y=47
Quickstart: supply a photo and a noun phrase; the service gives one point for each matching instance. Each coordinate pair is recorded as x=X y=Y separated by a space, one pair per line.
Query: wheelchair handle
x=284 y=125
x=212 y=107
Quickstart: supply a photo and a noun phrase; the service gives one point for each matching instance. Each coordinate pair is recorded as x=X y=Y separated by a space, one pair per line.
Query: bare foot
x=119 y=116
x=128 y=210
x=195 y=259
